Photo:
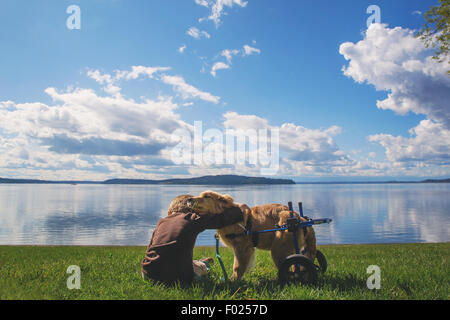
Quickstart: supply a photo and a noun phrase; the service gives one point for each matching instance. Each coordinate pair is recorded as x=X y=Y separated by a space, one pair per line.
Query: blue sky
x=292 y=74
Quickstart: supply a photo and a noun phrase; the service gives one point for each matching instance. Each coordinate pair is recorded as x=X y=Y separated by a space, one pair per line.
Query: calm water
x=127 y=214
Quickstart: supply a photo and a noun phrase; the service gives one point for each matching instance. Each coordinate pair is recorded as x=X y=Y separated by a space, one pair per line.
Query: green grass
x=408 y=271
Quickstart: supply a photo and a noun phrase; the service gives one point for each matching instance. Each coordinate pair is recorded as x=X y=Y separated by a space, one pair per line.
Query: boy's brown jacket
x=170 y=252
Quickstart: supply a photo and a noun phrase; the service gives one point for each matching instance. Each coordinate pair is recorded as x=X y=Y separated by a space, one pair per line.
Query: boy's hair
x=179 y=204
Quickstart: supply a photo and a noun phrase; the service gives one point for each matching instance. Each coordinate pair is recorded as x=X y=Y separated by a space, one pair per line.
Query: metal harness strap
x=247 y=231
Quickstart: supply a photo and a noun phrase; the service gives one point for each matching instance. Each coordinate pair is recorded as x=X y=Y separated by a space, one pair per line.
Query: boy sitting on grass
x=169 y=256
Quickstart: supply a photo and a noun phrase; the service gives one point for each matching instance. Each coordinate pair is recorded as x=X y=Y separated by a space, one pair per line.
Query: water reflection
x=127 y=214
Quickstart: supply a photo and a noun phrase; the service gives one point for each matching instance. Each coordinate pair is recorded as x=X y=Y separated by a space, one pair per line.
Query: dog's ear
x=244 y=208
x=207 y=193
x=225 y=201
x=228 y=198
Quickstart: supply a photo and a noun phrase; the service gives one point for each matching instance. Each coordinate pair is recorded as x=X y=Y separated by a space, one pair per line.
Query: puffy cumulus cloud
x=89 y=136
x=217 y=8
x=85 y=135
x=393 y=60
x=250 y=145
x=84 y=123
x=429 y=143
x=306 y=152
x=313 y=145
x=301 y=152
x=300 y=144
x=233 y=120
x=24 y=157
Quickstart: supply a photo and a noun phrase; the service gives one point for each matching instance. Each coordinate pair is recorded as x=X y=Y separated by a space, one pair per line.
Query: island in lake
x=205 y=180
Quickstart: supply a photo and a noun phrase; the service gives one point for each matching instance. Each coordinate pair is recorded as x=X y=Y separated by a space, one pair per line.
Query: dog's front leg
x=243 y=259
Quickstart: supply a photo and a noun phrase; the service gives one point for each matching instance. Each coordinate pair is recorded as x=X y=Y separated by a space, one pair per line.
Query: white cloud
x=197 y=34
x=217 y=8
x=88 y=136
x=188 y=91
x=100 y=78
x=315 y=145
x=137 y=71
x=393 y=60
x=182 y=48
x=202 y=3
x=228 y=54
x=134 y=73
x=234 y=120
x=248 y=50
x=218 y=66
x=110 y=80
x=312 y=146
x=314 y=153
x=82 y=114
x=429 y=142
x=84 y=135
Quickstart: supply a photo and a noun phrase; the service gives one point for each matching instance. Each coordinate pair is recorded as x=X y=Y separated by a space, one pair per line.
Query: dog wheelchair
x=296 y=267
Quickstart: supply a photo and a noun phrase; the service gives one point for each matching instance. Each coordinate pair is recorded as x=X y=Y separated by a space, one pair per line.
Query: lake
x=62 y=214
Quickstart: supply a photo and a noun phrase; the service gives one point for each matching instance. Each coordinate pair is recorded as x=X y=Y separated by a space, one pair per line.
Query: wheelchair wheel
x=322 y=267
x=297 y=268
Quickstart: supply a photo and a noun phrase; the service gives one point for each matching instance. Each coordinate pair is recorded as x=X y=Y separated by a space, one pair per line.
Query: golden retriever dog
x=263 y=217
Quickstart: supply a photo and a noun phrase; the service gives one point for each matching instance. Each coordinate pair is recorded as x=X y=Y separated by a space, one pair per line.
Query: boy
x=169 y=255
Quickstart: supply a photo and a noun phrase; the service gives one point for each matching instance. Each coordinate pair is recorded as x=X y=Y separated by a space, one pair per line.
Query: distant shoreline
x=377 y=182
x=204 y=180
x=222 y=180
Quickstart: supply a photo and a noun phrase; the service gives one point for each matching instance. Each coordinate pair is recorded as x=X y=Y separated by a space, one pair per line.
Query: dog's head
x=210 y=201
x=180 y=204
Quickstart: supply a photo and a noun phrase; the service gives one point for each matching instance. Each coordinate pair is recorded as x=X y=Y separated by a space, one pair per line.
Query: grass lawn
x=408 y=271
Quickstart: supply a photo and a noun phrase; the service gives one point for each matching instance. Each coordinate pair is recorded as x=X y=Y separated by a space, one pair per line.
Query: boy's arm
x=219 y=220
